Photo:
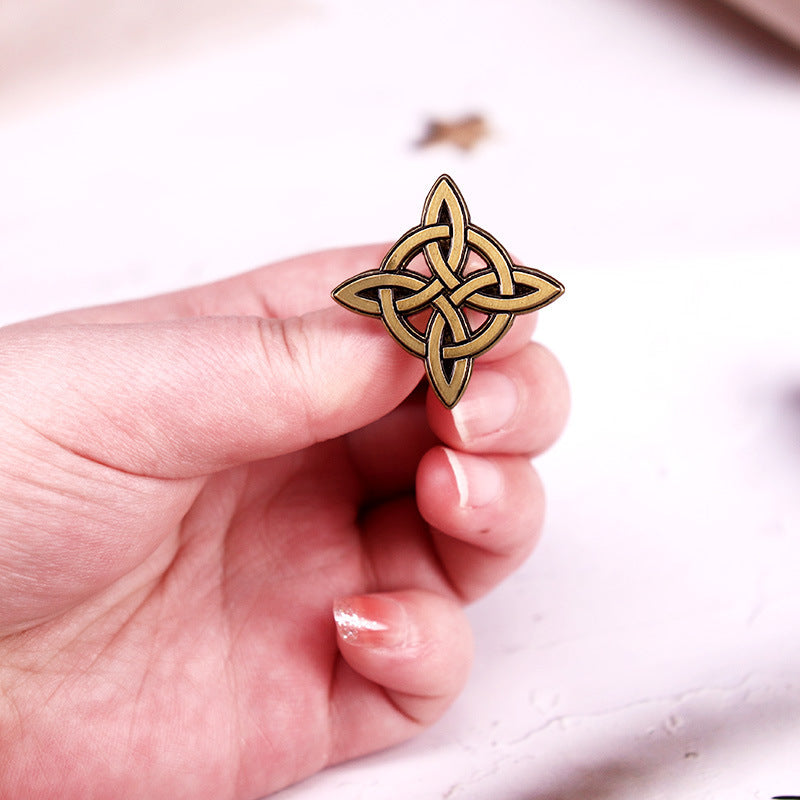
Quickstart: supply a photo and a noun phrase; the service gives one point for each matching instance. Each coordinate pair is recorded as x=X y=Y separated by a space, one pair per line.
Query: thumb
x=189 y=397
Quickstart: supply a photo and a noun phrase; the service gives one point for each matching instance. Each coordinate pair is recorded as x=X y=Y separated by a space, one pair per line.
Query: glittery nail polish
x=371 y=620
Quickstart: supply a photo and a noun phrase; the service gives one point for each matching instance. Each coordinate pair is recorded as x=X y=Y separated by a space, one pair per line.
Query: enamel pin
x=464 y=269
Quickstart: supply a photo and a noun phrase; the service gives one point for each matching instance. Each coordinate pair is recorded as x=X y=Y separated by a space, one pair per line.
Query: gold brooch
x=445 y=288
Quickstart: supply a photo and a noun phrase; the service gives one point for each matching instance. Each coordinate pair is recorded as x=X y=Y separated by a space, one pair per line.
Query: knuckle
x=288 y=366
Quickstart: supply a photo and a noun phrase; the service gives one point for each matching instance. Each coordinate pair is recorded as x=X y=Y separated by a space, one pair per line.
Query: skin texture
x=188 y=484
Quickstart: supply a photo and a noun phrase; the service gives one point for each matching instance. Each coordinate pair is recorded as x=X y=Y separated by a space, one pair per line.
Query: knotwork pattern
x=497 y=291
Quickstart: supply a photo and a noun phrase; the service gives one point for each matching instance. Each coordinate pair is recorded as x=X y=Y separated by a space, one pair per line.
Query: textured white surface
x=646 y=153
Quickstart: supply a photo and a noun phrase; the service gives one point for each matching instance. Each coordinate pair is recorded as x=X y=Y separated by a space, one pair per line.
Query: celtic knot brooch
x=447 y=307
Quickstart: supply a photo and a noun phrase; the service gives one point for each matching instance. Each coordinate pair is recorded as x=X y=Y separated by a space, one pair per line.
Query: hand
x=188 y=483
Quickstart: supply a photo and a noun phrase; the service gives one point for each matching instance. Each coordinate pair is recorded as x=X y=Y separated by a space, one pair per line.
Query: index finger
x=277 y=291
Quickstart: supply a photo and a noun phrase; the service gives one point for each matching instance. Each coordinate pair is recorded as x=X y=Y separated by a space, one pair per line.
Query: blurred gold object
x=464 y=133
x=497 y=290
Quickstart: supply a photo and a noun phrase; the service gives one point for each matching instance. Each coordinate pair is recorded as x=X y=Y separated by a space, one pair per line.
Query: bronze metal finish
x=495 y=289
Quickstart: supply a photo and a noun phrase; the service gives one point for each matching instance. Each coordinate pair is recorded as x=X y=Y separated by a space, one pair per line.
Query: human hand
x=188 y=483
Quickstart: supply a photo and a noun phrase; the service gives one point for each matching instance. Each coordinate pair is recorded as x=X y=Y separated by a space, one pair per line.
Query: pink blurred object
x=780 y=16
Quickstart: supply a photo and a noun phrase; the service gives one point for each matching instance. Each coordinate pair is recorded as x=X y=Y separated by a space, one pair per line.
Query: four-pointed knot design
x=496 y=289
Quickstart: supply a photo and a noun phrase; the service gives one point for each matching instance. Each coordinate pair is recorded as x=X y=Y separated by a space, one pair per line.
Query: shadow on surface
x=732 y=30
x=789 y=402
x=660 y=762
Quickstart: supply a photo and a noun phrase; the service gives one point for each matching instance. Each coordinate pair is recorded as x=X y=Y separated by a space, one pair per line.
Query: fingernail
x=371 y=620
x=478 y=480
x=488 y=405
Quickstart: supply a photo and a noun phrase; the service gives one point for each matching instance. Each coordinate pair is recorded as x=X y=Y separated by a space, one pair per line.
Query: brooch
x=447 y=307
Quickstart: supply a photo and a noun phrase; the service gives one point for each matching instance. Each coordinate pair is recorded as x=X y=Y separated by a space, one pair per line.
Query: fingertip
x=519 y=334
x=453 y=485
x=486 y=515
x=417 y=645
x=519 y=404
x=333 y=372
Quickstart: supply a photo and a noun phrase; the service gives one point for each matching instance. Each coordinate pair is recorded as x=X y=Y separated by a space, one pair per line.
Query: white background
x=646 y=153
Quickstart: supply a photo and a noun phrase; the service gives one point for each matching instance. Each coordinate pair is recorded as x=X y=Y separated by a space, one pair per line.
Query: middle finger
x=518 y=404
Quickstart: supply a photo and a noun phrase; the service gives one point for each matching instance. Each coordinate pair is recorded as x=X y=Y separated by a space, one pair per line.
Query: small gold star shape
x=451 y=284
